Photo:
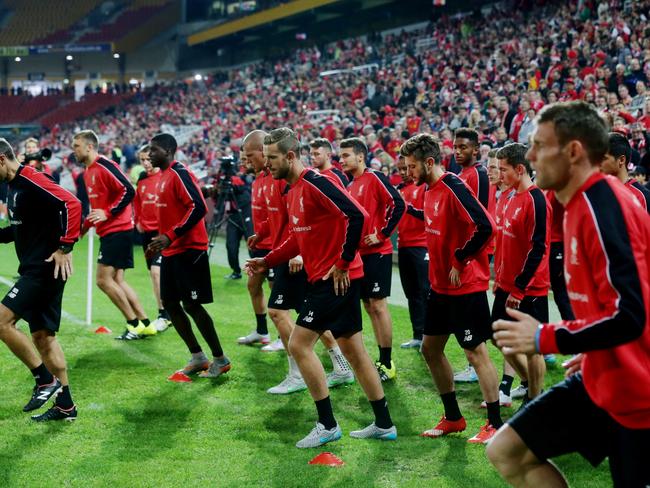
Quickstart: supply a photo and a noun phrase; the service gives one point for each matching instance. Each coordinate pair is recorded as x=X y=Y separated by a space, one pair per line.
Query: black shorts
x=37 y=300
x=156 y=259
x=116 y=250
x=261 y=253
x=324 y=310
x=288 y=291
x=534 y=306
x=565 y=420
x=465 y=316
x=377 y=273
x=186 y=277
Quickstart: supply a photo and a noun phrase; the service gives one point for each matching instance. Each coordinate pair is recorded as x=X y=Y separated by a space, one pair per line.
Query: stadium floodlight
x=133 y=81
x=18 y=59
x=116 y=55
x=69 y=57
x=66 y=81
x=198 y=77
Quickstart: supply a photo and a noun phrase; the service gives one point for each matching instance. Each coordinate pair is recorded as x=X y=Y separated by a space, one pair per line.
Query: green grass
x=136 y=429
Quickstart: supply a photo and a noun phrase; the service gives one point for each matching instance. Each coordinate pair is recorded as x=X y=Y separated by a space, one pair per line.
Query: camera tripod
x=226 y=202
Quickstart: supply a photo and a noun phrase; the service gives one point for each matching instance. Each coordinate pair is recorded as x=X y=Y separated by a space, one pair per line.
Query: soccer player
x=45 y=221
x=326 y=227
x=473 y=173
x=252 y=151
x=615 y=163
x=146 y=222
x=110 y=194
x=385 y=207
x=522 y=272
x=320 y=151
x=602 y=409
x=413 y=259
x=185 y=269
x=458 y=230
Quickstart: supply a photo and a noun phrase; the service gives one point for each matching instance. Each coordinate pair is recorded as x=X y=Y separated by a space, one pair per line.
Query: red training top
x=145 y=209
x=275 y=225
x=258 y=206
x=640 y=192
x=326 y=228
x=181 y=210
x=607 y=237
x=410 y=231
x=109 y=190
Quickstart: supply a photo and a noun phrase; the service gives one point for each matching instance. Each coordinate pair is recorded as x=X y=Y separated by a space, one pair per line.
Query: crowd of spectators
x=491 y=71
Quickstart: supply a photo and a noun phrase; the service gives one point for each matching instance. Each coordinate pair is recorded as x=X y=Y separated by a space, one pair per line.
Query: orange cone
x=327 y=459
x=180 y=377
x=103 y=330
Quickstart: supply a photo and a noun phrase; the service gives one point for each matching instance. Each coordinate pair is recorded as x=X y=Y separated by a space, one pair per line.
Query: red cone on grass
x=180 y=377
x=327 y=459
x=102 y=330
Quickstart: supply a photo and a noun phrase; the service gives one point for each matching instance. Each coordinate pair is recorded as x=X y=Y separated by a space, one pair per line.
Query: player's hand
x=97 y=215
x=252 y=241
x=371 y=239
x=157 y=244
x=516 y=336
x=62 y=264
x=295 y=265
x=255 y=266
x=573 y=365
x=454 y=277
x=512 y=302
x=341 y=280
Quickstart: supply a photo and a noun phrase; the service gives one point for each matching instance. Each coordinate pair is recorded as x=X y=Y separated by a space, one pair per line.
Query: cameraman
x=35 y=157
x=235 y=182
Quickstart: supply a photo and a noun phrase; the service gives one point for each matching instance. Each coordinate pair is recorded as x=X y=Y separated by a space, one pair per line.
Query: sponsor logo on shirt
x=578 y=297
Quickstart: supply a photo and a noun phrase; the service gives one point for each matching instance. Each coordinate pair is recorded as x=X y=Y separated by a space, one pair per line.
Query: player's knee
x=42 y=340
x=103 y=282
x=275 y=315
x=505 y=454
x=429 y=351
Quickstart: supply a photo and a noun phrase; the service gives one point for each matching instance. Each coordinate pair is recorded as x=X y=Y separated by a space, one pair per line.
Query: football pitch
x=137 y=429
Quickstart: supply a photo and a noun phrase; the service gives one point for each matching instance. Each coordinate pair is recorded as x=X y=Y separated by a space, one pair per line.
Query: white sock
x=293 y=367
x=339 y=362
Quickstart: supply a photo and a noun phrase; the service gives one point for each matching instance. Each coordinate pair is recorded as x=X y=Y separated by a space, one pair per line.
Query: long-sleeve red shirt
x=499 y=208
x=476 y=178
x=145 y=208
x=384 y=205
x=111 y=191
x=458 y=230
x=181 y=210
x=640 y=192
x=275 y=226
x=325 y=228
x=259 y=189
x=607 y=272
x=525 y=241
x=410 y=231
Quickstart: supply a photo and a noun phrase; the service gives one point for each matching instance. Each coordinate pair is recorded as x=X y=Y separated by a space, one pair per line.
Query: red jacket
x=640 y=192
x=181 y=210
x=145 y=207
x=476 y=178
x=326 y=228
x=607 y=237
x=458 y=231
x=275 y=225
x=384 y=205
x=410 y=231
x=499 y=208
x=557 y=224
x=111 y=191
x=522 y=269
x=258 y=206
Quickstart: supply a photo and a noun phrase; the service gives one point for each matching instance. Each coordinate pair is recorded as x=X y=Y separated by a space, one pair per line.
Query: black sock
x=162 y=313
x=506 y=384
x=382 y=415
x=42 y=375
x=133 y=323
x=146 y=322
x=524 y=384
x=262 y=328
x=385 y=355
x=325 y=414
x=494 y=414
x=195 y=349
x=64 y=399
x=452 y=411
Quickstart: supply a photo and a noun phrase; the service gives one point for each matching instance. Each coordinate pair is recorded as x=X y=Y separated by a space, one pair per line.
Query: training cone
x=102 y=330
x=327 y=459
x=180 y=377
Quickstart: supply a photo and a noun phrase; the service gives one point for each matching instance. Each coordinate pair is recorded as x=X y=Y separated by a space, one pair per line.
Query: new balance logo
x=43 y=396
x=309 y=318
x=426 y=257
x=14 y=291
x=280 y=299
x=468 y=336
x=375 y=288
x=194 y=294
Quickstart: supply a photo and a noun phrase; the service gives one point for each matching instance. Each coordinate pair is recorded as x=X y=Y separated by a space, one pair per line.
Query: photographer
x=233 y=193
x=35 y=157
